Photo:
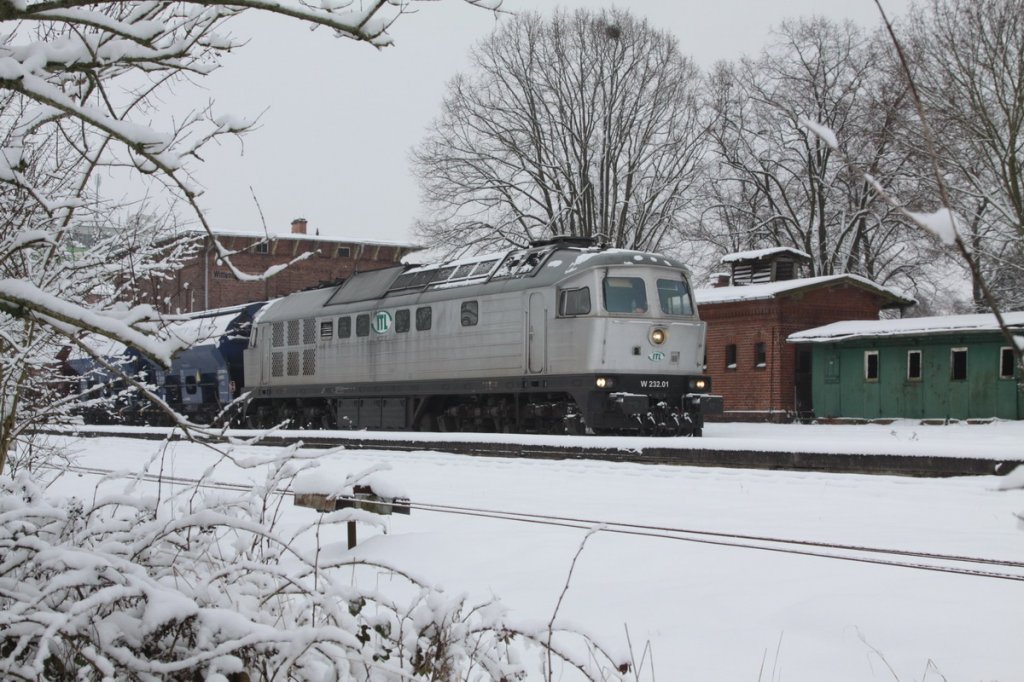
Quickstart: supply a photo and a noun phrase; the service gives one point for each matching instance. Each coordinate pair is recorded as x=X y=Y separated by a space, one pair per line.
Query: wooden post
x=361 y=498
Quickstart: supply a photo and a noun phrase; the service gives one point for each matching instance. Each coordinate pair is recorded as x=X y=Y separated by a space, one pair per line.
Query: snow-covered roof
x=768 y=290
x=915 y=326
x=762 y=253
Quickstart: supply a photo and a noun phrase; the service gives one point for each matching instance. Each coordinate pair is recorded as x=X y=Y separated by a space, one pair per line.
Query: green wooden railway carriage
x=950 y=367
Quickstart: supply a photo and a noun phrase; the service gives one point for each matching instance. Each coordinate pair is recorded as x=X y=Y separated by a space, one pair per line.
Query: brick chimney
x=299 y=226
x=720 y=279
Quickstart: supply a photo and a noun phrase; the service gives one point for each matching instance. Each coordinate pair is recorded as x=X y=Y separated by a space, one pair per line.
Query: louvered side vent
x=277 y=364
x=293 y=332
x=741 y=273
x=784 y=270
x=309 y=331
x=277 y=335
x=761 y=273
x=293 y=363
x=309 y=362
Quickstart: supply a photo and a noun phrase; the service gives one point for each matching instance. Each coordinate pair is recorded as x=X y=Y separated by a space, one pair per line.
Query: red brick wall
x=754 y=393
x=192 y=289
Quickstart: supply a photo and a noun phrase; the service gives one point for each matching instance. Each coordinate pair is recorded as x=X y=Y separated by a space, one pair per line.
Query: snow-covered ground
x=708 y=612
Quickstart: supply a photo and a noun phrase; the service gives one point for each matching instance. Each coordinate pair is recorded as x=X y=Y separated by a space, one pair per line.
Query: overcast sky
x=340 y=117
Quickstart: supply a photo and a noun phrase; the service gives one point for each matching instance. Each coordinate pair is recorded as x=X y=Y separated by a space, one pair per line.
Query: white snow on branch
x=823 y=132
x=69 y=317
x=942 y=223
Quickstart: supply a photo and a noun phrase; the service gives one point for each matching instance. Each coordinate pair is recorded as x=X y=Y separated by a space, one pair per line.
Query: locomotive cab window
x=362 y=325
x=423 y=318
x=402 y=321
x=344 y=327
x=572 y=302
x=470 y=313
x=625 y=295
x=674 y=296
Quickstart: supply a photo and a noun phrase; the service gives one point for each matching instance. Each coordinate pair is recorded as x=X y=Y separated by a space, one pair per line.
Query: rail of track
x=653 y=451
x=974 y=566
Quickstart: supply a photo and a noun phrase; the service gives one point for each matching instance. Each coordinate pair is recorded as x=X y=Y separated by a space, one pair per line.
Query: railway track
x=957 y=564
x=653 y=453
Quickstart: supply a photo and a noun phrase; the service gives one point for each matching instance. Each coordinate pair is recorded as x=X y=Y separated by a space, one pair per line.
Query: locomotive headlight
x=603 y=382
x=698 y=384
x=658 y=336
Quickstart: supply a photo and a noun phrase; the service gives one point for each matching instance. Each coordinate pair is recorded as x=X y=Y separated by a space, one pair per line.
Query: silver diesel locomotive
x=562 y=337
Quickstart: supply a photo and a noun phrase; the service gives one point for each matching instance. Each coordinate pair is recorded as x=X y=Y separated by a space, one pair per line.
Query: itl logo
x=382 y=322
x=656 y=356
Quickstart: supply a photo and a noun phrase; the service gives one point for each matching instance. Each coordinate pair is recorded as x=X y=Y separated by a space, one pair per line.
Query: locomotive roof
x=542 y=265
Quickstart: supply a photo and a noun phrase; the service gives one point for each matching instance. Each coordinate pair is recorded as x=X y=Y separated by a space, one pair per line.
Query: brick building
x=751 y=311
x=205 y=282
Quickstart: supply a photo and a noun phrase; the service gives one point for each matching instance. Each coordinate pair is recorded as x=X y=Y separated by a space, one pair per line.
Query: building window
x=326 y=329
x=730 y=356
x=470 y=313
x=1006 y=362
x=344 y=327
x=362 y=325
x=344 y=252
x=913 y=365
x=760 y=355
x=871 y=365
x=958 y=364
x=262 y=247
x=574 y=302
x=423 y=318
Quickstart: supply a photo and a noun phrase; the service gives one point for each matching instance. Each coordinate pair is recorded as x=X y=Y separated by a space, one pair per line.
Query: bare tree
x=585 y=124
x=968 y=57
x=79 y=84
x=772 y=182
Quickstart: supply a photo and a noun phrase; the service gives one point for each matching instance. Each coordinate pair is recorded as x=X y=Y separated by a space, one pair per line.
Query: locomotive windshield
x=625 y=295
x=674 y=296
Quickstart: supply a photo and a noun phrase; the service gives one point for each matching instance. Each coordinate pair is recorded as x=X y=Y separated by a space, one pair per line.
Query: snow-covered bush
x=202 y=584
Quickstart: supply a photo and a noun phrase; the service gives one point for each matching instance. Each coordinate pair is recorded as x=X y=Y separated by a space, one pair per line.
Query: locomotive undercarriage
x=569 y=412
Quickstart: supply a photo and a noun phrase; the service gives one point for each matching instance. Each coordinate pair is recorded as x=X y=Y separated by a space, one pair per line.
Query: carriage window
x=574 y=302
x=326 y=330
x=423 y=318
x=344 y=327
x=871 y=365
x=913 y=365
x=191 y=384
x=362 y=325
x=402 y=321
x=1005 y=362
x=958 y=364
x=464 y=271
x=470 y=313
x=674 y=296
x=625 y=295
